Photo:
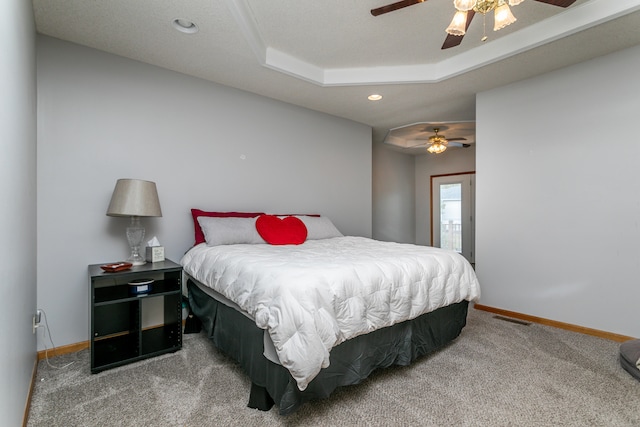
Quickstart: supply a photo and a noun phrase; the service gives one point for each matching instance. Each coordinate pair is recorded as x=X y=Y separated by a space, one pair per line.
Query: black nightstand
x=116 y=332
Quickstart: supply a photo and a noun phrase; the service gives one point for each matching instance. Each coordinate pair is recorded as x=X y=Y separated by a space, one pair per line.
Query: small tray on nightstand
x=116 y=266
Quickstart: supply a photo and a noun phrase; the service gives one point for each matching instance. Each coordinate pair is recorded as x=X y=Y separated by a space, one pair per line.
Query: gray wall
x=393 y=195
x=401 y=190
x=455 y=160
x=18 y=207
x=558 y=195
x=103 y=117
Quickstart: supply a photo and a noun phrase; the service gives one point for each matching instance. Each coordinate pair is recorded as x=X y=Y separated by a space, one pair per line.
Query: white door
x=452 y=213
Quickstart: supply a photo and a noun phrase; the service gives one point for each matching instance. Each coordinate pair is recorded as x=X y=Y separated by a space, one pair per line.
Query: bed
x=305 y=318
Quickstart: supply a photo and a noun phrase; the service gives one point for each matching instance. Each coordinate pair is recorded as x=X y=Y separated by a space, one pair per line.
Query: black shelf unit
x=116 y=333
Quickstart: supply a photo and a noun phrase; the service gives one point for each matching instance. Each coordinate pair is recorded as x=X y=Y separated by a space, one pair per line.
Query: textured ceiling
x=329 y=55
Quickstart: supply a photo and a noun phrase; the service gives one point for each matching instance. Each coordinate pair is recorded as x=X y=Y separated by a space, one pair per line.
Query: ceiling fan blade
x=561 y=3
x=450 y=142
x=453 y=41
x=394 y=6
x=422 y=144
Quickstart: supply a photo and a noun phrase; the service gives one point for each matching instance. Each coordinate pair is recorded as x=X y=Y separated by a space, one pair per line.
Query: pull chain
x=484 y=28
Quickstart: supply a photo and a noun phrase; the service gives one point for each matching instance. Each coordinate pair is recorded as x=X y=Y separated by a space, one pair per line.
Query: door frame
x=431 y=179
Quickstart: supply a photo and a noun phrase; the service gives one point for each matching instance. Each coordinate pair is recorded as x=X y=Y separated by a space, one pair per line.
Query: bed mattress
x=312 y=297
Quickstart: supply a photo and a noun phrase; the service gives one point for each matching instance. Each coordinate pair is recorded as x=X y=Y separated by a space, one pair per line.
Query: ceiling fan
x=463 y=17
x=437 y=143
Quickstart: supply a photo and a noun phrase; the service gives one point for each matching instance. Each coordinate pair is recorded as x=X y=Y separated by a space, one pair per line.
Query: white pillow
x=319 y=227
x=229 y=231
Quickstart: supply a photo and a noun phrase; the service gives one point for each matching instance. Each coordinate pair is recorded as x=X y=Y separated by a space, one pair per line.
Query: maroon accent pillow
x=195 y=213
x=281 y=231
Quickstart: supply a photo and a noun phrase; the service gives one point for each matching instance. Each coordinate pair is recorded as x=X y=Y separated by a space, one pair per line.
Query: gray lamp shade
x=134 y=197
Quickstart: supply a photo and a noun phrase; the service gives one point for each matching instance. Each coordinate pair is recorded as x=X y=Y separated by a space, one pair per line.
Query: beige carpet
x=497 y=373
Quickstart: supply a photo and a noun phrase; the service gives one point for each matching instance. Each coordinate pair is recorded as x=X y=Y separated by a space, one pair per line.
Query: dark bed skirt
x=351 y=362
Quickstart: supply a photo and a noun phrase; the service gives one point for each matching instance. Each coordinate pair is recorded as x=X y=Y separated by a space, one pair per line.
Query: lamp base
x=136 y=259
x=135 y=234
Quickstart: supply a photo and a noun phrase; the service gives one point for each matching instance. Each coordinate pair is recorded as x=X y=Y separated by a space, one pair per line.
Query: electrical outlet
x=36 y=319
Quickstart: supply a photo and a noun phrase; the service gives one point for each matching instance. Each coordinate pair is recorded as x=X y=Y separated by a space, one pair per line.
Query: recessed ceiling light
x=184 y=26
x=374 y=97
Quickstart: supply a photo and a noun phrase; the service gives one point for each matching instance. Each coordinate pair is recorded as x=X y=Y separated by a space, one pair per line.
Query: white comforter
x=314 y=296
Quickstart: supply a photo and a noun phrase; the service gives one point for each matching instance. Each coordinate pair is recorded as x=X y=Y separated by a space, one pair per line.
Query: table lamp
x=135 y=198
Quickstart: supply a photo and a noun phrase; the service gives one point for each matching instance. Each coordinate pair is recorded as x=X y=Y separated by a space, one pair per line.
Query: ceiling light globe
x=515 y=2
x=503 y=17
x=464 y=5
x=458 y=24
x=436 y=148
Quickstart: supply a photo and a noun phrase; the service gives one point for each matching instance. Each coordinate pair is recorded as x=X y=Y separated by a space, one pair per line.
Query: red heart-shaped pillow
x=281 y=231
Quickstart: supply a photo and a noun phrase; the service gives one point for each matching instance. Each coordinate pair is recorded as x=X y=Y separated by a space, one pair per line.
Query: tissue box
x=154 y=253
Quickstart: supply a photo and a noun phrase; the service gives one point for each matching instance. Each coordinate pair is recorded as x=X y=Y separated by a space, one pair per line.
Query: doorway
x=453 y=212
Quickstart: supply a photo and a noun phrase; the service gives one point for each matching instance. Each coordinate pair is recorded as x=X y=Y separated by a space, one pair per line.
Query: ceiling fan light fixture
x=464 y=5
x=503 y=16
x=437 y=143
x=485 y=6
x=458 y=24
x=436 y=148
